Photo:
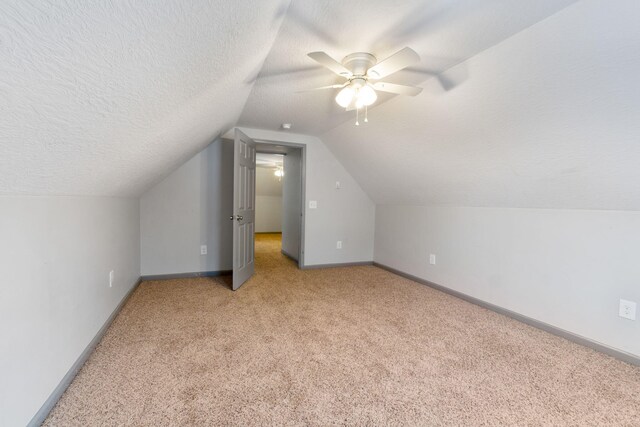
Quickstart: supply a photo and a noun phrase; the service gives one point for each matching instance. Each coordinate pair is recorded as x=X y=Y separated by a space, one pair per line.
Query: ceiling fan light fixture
x=345 y=96
x=367 y=95
x=279 y=172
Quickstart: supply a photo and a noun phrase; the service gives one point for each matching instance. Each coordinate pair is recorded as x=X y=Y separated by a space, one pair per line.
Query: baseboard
x=186 y=275
x=48 y=405
x=288 y=255
x=578 y=339
x=267 y=232
x=340 y=264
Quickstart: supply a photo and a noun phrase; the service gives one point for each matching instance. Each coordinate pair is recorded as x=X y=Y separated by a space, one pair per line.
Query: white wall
x=568 y=268
x=268 y=214
x=189 y=208
x=268 y=201
x=55 y=258
x=292 y=203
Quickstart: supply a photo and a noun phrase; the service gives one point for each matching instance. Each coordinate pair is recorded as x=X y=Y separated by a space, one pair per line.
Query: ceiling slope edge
x=225 y=132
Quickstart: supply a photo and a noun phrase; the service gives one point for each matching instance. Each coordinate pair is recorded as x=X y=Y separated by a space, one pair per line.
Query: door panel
x=244 y=195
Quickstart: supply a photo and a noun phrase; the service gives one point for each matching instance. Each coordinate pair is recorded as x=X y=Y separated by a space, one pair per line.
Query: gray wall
x=292 y=203
x=55 y=258
x=568 y=268
x=190 y=208
x=268 y=201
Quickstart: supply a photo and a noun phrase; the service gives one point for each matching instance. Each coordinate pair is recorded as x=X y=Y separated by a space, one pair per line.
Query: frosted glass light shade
x=366 y=95
x=345 y=96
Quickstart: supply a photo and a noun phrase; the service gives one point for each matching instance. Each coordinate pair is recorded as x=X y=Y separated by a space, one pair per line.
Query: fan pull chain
x=357 y=122
x=366 y=114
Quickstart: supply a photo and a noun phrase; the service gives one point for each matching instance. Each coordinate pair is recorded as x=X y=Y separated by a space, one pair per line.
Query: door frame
x=303 y=174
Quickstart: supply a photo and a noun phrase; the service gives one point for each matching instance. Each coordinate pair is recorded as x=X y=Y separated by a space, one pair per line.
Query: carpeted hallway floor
x=355 y=346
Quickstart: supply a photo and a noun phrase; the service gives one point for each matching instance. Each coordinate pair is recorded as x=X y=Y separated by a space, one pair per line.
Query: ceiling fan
x=362 y=70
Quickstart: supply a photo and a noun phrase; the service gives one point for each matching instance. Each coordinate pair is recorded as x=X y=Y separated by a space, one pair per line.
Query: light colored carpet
x=355 y=346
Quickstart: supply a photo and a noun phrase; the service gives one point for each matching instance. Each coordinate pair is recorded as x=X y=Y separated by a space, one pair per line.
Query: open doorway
x=269 y=174
x=279 y=199
x=291 y=176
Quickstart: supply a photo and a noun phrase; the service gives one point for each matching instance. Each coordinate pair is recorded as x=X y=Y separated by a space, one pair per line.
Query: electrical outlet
x=627 y=309
x=111 y=277
x=313 y=204
x=203 y=249
x=339 y=244
x=432 y=259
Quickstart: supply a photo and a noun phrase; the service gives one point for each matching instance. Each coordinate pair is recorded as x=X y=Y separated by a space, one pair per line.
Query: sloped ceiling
x=443 y=32
x=549 y=118
x=540 y=106
x=104 y=98
x=536 y=103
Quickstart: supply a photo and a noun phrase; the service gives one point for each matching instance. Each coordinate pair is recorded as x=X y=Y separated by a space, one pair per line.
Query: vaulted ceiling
x=549 y=118
x=443 y=32
x=535 y=104
x=525 y=104
x=104 y=98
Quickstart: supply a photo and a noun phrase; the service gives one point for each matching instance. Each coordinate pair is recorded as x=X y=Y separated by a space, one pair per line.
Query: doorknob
x=239 y=217
x=231 y=217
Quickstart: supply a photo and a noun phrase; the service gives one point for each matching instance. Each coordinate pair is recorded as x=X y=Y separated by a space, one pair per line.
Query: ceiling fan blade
x=396 y=62
x=323 y=88
x=330 y=63
x=397 y=89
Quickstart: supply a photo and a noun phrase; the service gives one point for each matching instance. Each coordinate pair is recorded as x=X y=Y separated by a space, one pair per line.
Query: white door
x=244 y=208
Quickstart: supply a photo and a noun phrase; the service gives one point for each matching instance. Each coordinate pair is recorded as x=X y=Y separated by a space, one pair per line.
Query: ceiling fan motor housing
x=358 y=63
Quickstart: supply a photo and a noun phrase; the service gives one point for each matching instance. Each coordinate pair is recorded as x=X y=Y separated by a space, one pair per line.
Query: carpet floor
x=353 y=346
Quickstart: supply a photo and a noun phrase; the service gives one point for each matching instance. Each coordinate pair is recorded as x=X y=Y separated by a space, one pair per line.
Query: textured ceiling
x=104 y=98
x=536 y=105
x=548 y=118
x=443 y=32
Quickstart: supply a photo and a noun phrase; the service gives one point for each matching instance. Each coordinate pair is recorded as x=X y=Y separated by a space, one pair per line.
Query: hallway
x=268 y=252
